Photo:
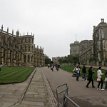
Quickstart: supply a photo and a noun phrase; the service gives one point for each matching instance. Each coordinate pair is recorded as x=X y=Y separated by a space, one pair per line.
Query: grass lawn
x=10 y=75
x=69 y=68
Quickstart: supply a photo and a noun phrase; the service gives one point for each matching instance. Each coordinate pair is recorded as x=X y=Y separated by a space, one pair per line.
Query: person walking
x=99 y=78
x=106 y=79
x=84 y=73
x=90 y=77
x=77 y=69
x=57 y=67
x=48 y=65
x=52 y=67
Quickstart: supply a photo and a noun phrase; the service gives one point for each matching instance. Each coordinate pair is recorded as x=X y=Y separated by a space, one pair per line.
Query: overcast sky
x=55 y=23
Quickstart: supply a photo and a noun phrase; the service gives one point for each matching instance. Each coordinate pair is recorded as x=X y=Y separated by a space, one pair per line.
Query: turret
x=2 y=28
x=94 y=27
x=7 y=30
x=12 y=32
x=17 y=33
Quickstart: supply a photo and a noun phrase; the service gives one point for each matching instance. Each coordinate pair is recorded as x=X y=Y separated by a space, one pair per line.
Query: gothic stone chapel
x=19 y=50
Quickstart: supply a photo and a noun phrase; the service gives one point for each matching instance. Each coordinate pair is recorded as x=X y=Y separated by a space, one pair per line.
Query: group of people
x=52 y=66
x=90 y=76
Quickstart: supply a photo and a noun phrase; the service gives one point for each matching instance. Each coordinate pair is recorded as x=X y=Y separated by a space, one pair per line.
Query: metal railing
x=62 y=97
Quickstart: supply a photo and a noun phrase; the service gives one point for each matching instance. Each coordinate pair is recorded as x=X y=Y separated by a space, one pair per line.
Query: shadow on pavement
x=83 y=103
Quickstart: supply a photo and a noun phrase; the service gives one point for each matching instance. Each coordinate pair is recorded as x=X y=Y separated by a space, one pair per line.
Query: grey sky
x=55 y=23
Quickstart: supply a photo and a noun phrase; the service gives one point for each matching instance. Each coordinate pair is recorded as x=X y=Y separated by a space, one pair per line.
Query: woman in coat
x=99 y=78
x=90 y=77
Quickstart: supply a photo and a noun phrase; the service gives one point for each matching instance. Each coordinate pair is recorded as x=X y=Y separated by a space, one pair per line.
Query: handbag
x=98 y=79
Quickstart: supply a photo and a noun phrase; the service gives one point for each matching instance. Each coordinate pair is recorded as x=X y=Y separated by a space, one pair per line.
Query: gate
x=62 y=97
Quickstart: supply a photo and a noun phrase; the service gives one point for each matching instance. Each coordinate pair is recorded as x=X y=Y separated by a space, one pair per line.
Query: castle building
x=16 y=50
x=85 y=51
x=74 y=48
x=100 y=42
x=94 y=51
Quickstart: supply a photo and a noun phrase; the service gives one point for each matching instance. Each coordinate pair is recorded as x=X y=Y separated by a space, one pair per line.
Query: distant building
x=55 y=60
x=93 y=51
x=85 y=51
x=16 y=50
x=74 y=48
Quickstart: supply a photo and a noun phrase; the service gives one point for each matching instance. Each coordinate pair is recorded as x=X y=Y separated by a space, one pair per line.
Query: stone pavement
x=35 y=92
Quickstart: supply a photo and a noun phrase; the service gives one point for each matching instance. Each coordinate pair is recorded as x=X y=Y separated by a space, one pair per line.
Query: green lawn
x=69 y=68
x=10 y=75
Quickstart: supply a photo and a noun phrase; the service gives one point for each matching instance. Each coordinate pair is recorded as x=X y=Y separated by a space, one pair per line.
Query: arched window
x=29 y=48
x=31 y=58
x=25 y=48
x=24 y=58
x=28 y=58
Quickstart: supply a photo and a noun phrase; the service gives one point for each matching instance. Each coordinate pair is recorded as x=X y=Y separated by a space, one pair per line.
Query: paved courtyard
x=40 y=88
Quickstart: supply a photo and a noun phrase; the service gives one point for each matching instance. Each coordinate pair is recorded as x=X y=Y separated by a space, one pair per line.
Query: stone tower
x=100 y=42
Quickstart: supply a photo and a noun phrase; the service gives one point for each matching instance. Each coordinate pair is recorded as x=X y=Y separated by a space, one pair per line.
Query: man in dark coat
x=106 y=80
x=90 y=77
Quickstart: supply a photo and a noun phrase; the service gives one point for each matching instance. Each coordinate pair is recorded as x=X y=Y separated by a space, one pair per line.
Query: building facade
x=74 y=48
x=85 y=51
x=94 y=51
x=17 y=50
x=100 y=42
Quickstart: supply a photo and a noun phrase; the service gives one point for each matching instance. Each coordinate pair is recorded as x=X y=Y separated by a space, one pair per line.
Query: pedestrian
x=74 y=72
x=90 y=77
x=99 y=78
x=48 y=65
x=106 y=79
x=52 y=67
x=57 y=66
x=84 y=73
x=77 y=69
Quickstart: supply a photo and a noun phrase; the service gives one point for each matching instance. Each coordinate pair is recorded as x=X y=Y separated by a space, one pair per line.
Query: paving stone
x=34 y=103
x=24 y=105
x=6 y=104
